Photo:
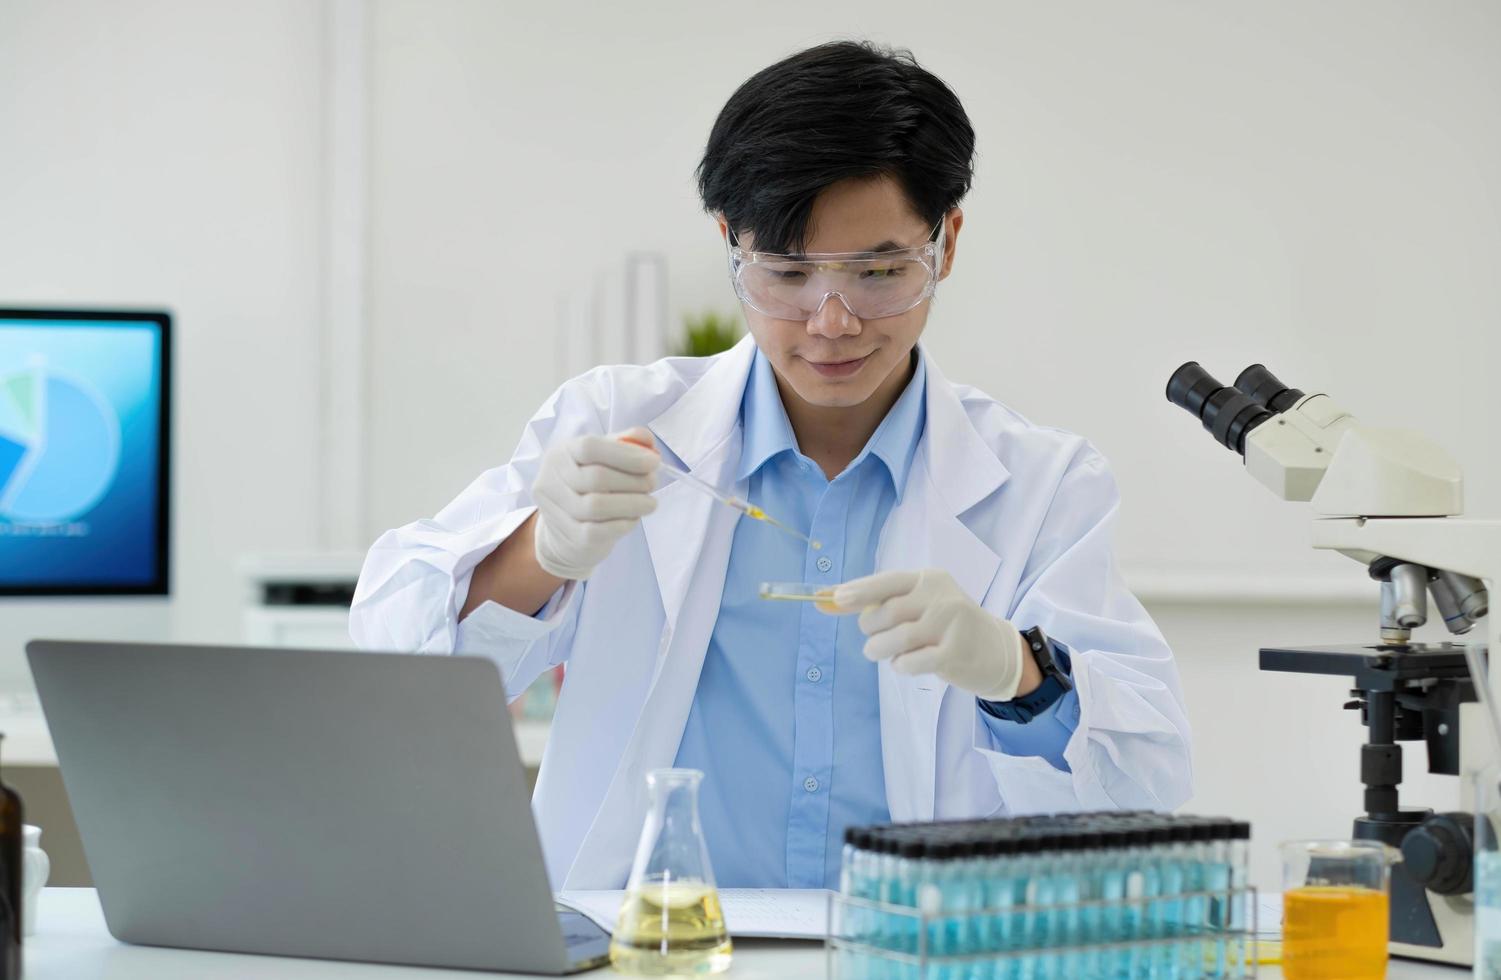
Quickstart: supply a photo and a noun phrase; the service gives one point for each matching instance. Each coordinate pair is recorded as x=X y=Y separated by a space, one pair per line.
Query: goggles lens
x=871 y=285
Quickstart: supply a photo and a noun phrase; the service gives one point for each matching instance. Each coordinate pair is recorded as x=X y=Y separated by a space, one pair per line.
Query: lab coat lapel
x=702 y=430
x=689 y=538
x=954 y=470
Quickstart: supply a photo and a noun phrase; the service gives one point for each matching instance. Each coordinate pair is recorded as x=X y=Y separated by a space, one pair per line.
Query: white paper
x=751 y=913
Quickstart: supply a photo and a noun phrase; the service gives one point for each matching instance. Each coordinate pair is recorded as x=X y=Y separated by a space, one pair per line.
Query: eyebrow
x=889 y=245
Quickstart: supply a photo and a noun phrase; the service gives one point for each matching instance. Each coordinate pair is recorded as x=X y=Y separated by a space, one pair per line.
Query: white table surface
x=73 y=944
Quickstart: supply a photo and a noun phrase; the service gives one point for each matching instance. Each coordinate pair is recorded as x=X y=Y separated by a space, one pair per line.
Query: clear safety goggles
x=870 y=284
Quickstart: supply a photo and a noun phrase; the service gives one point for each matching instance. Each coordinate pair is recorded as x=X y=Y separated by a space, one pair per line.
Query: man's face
x=835 y=359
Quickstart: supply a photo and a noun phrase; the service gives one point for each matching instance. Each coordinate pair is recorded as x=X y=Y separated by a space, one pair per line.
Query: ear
x=724 y=227
x=953 y=221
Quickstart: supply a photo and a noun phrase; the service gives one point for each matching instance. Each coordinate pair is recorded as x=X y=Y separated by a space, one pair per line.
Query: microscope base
x=1456 y=926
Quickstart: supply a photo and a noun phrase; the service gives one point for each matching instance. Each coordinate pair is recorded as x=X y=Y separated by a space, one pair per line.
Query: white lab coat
x=1019 y=514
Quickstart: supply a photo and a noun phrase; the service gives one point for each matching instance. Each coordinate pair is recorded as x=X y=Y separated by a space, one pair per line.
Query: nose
x=834 y=319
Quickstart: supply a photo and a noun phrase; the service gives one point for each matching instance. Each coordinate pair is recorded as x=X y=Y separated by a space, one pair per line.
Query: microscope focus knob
x=1439 y=853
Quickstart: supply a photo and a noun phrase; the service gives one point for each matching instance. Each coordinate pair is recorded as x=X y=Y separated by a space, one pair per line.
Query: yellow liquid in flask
x=671 y=930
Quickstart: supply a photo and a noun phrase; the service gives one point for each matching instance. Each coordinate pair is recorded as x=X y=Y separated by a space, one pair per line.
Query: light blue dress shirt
x=785 y=722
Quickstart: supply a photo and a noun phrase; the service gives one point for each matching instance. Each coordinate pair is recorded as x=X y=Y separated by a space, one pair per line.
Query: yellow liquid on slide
x=672 y=930
x=1334 y=933
x=823 y=601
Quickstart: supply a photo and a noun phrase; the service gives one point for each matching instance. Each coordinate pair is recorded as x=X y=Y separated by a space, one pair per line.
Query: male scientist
x=990 y=660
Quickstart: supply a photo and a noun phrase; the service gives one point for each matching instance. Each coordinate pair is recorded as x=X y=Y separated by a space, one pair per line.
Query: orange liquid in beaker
x=1334 y=933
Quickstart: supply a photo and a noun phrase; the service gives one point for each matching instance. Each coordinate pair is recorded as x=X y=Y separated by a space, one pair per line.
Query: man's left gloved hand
x=924 y=624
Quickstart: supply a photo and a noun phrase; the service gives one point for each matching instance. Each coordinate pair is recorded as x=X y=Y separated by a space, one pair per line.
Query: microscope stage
x=1374 y=666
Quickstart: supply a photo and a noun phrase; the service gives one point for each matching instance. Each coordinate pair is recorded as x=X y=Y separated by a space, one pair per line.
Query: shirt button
x=814 y=674
x=825 y=563
x=810 y=784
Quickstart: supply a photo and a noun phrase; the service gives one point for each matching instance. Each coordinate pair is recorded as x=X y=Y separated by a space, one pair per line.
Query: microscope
x=1390 y=499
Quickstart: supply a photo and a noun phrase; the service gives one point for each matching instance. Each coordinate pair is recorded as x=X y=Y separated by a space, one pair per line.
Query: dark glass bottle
x=10 y=883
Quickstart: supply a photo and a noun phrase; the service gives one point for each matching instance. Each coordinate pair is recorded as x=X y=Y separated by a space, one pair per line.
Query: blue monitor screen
x=83 y=452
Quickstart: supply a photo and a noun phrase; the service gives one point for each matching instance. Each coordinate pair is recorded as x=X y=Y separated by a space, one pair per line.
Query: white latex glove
x=924 y=624
x=590 y=491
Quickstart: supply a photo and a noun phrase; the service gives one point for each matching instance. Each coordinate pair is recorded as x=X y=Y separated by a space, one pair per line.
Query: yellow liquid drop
x=820 y=602
x=671 y=930
x=1334 y=933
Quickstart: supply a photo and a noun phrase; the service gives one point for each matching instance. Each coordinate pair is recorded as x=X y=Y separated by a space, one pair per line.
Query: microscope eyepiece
x=1265 y=390
x=1227 y=412
x=1190 y=387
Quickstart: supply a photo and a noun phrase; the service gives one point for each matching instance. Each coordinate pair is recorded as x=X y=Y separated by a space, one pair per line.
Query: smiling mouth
x=838 y=369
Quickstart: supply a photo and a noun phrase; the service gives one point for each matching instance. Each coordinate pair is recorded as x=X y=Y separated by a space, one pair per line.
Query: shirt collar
x=768 y=432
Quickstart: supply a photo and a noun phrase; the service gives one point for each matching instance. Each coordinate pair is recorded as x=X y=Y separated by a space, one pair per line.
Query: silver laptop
x=340 y=805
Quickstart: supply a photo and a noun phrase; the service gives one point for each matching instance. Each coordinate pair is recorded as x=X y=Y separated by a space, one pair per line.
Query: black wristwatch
x=1053 y=660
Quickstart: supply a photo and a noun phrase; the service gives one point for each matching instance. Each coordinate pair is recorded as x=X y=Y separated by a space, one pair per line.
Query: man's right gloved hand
x=590 y=491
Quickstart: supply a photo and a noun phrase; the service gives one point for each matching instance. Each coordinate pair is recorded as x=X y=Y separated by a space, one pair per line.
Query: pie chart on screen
x=59 y=445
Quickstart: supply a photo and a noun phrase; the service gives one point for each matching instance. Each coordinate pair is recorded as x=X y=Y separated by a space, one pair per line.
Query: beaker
x=1335 y=917
x=670 y=921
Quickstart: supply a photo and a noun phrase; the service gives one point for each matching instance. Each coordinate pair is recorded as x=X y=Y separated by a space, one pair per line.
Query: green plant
x=708 y=333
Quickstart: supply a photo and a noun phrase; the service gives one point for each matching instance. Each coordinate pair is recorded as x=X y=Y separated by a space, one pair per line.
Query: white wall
x=1308 y=185
x=168 y=155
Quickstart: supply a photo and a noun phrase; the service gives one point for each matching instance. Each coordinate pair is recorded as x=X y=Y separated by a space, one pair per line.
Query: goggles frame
x=929 y=255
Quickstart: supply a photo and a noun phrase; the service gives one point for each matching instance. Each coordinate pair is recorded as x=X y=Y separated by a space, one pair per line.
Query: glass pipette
x=729 y=500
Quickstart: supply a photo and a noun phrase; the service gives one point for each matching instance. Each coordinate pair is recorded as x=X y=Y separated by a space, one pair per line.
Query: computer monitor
x=84 y=452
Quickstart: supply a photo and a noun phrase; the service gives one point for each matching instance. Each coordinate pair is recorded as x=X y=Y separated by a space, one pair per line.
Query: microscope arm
x=1305 y=447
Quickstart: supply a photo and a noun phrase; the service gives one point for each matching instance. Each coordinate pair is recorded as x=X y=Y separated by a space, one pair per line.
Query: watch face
x=1041 y=648
x=1051 y=661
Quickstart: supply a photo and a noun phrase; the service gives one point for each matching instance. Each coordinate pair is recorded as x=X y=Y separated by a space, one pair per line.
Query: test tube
x=909 y=870
x=1173 y=874
x=1066 y=871
x=1217 y=881
x=1089 y=841
x=1001 y=881
x=1111 y=883
x=856 y=880
x=1135 y=918
x=1037 y=923
x=935 y=895
x=847 y=862
x=1239 y=845
x=982 y=935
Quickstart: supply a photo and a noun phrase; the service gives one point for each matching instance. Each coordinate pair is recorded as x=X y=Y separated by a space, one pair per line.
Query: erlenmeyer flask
x=671 y=923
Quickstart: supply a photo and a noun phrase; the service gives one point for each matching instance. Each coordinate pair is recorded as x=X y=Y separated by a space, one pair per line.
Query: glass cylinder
x=1335 y=917
x=670 y=922
x=1488 y=873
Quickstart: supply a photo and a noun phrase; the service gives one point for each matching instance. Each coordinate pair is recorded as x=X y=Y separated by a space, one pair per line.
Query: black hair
x=835 y=111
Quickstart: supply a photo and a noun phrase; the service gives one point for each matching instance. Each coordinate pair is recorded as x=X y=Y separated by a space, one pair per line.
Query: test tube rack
x=1110 y=895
